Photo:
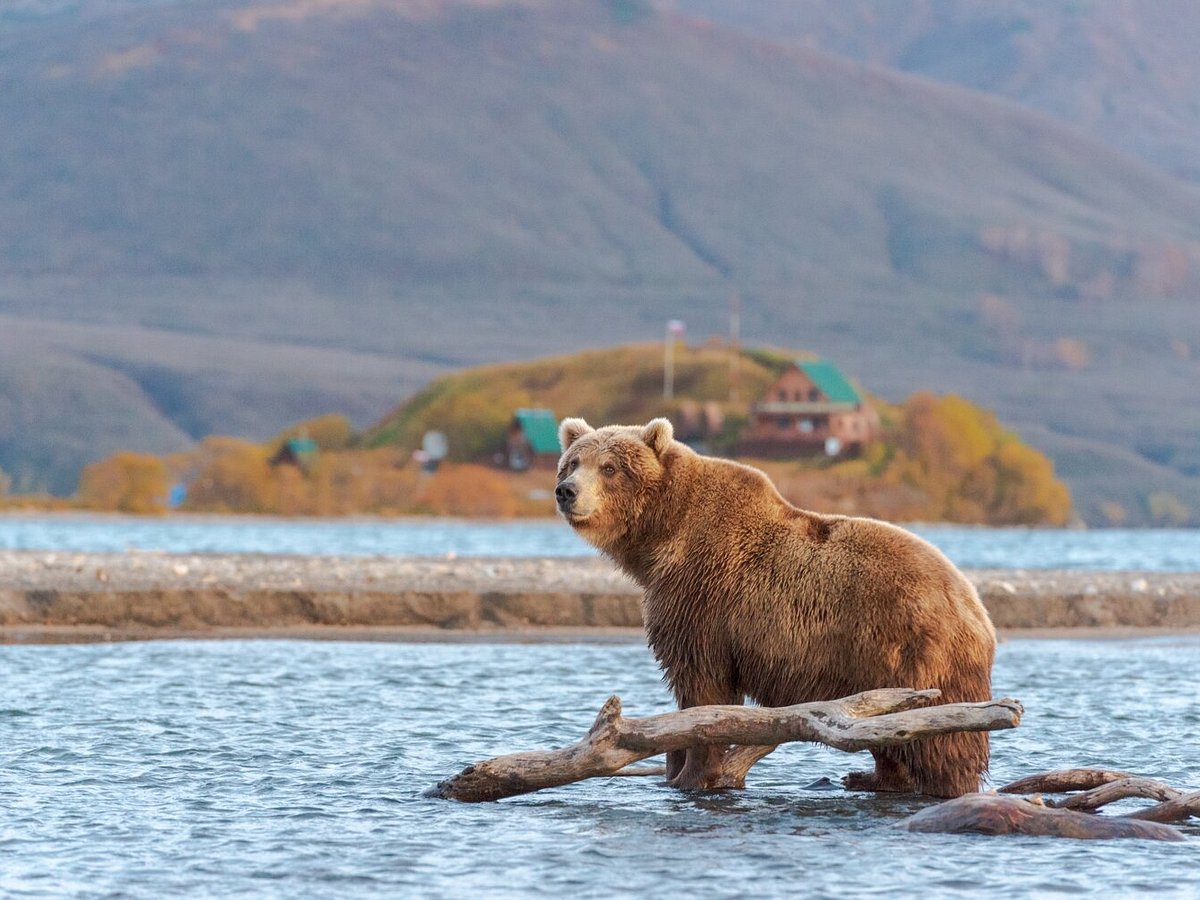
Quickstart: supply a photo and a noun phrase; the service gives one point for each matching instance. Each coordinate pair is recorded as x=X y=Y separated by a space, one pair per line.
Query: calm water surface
x=287 y=769
x=1119 y=549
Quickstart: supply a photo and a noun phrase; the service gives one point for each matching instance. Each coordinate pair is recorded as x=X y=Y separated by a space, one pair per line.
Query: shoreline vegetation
x=938 y=458
x=68 y=597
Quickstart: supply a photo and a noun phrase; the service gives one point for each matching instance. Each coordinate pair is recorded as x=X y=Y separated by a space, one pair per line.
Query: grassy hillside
x=623 y=384
x=224 y=216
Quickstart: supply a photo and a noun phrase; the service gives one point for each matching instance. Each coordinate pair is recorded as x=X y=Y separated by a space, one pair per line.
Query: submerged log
x=867 y=721
x=999 y=814
x=1073 y=816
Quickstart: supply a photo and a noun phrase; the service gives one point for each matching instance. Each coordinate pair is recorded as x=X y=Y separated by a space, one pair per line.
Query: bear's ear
x=571 y=430
x=658 y=435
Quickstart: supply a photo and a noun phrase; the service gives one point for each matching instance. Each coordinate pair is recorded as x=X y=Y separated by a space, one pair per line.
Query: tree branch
x=1060 y=781
x=1132 y=786
x=867 y=721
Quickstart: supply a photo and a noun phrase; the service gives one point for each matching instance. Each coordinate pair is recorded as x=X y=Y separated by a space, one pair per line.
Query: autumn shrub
x=971 y=468
x=232 y=475
x=125 y=482
x=468 y=490
x=1026 y=491
x=291 y=492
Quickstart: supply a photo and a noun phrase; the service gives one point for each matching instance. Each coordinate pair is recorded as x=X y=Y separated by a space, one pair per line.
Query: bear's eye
x=609 y=469
x=573 y=464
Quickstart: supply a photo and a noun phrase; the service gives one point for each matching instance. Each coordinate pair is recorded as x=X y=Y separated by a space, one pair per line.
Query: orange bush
x=468 y=490
x=125 y=482
x=232 y=475
x=971 y=469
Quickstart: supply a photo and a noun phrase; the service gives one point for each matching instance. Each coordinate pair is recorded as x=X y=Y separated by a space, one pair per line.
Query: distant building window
x=783 y=422
x=805 y=426
x=814 y=395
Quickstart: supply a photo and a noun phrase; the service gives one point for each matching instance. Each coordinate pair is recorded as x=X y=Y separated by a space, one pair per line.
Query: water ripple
x=1168 y=550
x=291 y=768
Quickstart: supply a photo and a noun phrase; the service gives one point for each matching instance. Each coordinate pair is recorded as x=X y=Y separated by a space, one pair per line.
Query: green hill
x=623 y=384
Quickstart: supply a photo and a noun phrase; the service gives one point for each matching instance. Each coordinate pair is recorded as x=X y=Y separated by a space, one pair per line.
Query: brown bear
x=747 y=595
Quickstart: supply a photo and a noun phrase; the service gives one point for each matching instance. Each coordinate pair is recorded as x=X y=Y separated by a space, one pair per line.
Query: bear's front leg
x=699 y=768
x=675 y=763
x=891 y=774
x=702 y=768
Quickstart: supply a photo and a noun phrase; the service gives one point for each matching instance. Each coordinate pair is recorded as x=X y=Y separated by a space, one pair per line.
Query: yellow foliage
x=946 y=434
x=125 y=482
x=970 y=468
x=1026 y=491
x=469 y=490
x=232 y=476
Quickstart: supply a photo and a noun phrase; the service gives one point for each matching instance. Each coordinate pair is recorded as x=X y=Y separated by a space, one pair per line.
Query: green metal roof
x=541 y=429
x=830 y=381
x=301 y=446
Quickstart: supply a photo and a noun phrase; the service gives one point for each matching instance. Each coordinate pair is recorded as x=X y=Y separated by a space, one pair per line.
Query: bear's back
x=843 y=604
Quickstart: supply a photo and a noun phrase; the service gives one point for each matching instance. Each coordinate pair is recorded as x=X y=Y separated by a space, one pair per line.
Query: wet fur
x=749 y=596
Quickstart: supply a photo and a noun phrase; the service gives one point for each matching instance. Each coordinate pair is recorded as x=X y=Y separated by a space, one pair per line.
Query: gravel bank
x=92 y=596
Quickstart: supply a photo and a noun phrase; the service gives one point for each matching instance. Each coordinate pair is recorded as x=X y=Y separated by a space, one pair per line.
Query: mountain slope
x=528 y=141
x=1126 y=73
x=247 y=213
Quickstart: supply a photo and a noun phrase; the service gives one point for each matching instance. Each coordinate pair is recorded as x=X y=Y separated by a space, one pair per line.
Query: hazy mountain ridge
x=1125 y=73
x=397 y=188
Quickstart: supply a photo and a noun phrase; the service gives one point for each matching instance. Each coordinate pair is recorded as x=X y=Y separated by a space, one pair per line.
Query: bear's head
x=607 y=476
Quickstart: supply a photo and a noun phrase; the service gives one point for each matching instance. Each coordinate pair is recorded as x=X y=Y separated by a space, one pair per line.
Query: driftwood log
x=1073 y=816
x=867 y=721
x=1000 y=814
x=1100 y=787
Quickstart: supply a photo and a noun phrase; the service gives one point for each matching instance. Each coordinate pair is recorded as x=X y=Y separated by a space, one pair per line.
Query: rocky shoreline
x=73 y=597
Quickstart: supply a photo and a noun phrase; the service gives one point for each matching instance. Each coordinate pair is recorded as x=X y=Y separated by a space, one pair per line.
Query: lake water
x=295 y=769
x=1116 y=549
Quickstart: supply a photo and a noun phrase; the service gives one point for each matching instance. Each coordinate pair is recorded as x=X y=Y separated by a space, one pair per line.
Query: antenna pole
x=675 y=328
x=735 y=344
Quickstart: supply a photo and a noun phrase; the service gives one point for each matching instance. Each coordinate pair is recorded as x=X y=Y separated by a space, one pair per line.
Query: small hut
x=531 y=441
x=300 y=452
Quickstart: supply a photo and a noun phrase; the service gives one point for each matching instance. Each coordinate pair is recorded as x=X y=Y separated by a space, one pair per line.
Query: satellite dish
x=435 y=446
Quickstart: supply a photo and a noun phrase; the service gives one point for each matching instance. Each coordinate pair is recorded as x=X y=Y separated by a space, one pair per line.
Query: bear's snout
x=565 y=494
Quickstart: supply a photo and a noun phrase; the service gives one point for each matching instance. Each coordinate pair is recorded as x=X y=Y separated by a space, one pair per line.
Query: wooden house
x=811 y=409
x=300 y=452
x=531 y=441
